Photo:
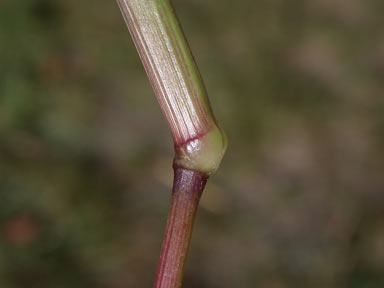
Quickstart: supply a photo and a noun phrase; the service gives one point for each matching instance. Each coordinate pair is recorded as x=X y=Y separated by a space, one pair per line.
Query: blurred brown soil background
x=85 y=154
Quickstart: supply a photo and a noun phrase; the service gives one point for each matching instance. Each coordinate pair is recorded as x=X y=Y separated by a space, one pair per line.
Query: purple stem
x=187 y=188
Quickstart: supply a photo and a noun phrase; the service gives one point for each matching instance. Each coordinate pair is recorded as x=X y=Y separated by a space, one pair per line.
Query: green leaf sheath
x=200 y=144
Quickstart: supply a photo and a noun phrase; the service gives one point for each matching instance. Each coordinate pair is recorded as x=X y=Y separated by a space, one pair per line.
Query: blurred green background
x=85 y=154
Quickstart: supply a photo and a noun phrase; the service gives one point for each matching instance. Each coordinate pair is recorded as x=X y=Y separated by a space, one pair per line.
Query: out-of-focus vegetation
x=85 y=154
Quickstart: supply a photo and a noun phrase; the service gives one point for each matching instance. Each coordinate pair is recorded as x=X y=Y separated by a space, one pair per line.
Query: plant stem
x=199 y=142
x=187 y=188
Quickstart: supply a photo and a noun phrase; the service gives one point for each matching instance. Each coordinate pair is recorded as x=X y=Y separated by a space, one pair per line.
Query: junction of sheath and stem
x=199 y=142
